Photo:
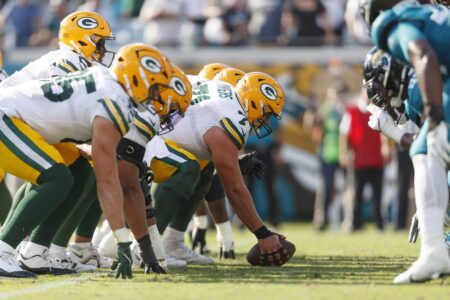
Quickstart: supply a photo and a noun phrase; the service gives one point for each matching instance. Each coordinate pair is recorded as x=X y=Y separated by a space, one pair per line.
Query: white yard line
x=43 y=287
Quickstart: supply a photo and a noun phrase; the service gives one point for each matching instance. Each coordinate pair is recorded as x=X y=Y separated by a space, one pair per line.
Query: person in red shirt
x=365 y=145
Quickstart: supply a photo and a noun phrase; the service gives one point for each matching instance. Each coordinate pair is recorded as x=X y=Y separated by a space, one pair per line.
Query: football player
x=213 y=130
x=417 y=35
x=82 y=39
x=96 y=104
x=5 y=196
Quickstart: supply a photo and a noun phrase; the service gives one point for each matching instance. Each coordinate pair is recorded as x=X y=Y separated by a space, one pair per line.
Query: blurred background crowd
x=324 y=163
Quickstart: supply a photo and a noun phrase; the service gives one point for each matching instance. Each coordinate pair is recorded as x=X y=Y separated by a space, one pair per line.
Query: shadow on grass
x=314 y=270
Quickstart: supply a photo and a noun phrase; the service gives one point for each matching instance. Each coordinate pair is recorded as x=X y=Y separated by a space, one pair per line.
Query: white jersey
x=55 y=63
x=214 y=104
x=63 y=108
x=196 y=80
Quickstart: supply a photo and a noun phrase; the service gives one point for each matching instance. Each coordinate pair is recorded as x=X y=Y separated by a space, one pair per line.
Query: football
x=253 y=256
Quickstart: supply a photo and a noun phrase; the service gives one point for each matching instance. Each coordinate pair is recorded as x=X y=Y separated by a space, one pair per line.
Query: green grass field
x=326 y=266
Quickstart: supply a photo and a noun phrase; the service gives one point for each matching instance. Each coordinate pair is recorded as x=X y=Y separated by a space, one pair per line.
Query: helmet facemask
x=261 y=126
x=101 y=54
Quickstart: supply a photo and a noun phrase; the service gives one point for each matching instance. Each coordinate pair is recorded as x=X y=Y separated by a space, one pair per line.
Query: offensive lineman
x=96 y=104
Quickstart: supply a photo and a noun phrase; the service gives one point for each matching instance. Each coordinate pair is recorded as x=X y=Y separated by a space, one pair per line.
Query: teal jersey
x=394 y=29
x=414 y=104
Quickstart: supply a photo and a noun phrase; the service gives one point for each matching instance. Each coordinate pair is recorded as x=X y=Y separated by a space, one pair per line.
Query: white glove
x=381 y=121
x=437 y=143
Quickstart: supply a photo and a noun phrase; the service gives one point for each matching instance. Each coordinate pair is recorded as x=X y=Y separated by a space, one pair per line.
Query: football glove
x=124 y=261
x=252 y=166
x=381 y=121
x=413 y=229
x=148 y=258
x=438 y=145
x=199 y=240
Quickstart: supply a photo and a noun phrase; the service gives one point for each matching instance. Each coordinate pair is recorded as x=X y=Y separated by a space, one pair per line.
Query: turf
x=326 y=266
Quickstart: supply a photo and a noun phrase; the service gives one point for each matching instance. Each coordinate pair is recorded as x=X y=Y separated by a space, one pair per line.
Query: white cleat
x=86 y=254
x=35 y=258
x=63 y=259
x=10 y=268
x=433 y=264
x=182 y=252
x=173 y=263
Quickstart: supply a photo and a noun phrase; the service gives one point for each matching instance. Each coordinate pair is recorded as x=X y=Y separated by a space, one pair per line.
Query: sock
x=89 y=223
x=157 y=243
x=57 y=250
x=77 y=216
x=47 y=230
x=5 y=201
x=38 y=204
x=100 y=233
x=225 y=235
x=21 y=192
x=431 y=200
x=200 y=222
x=32 y=249
x=174 y=236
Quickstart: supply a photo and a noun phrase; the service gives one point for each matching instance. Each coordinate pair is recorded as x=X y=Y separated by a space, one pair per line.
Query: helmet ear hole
x=253 y=104
x=121 y=59
x=82 y=43
x=135 y=81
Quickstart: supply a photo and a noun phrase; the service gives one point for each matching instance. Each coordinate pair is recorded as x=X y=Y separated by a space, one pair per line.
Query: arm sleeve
x=234 y=132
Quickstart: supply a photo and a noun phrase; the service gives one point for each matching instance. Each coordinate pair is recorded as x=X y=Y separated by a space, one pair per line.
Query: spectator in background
x=130 y=8
x=24 y=16
x=197 y=13
x=336 y=10
x=231 y=27
x=162 y=22
x=325 y=134
x=306 y=23
x=265 y=22
x=48 y=33
x=268 y=151
x=366 y=147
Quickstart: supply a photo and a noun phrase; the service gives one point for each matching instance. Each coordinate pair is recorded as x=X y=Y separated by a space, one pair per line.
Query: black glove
x=148 y=258
x=199 y=239
x=123 y=262
x=252 y=166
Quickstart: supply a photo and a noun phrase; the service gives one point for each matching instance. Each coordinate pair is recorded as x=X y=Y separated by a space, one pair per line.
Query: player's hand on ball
x=123 y=262
x=272 y=252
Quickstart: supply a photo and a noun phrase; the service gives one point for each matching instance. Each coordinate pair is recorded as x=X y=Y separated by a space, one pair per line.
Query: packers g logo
x=151 y=64
x=178 y=86
x=87 y=23
x=269 y=91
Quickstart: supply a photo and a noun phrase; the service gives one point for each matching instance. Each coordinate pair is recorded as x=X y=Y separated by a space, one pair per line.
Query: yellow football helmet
x=210 y=70
x=230 y=75
x=262 y=97
x=86 y=33
x=175 y=99
x=143 y=71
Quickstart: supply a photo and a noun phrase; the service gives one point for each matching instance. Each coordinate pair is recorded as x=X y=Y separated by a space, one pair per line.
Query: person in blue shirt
x=418 y=36
x=386 y=80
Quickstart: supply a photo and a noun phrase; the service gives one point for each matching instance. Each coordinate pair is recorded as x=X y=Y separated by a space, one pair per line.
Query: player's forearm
x=111 y=201
x=406 y=140
x=427 y=69
x=242 y=203
x=134 y=208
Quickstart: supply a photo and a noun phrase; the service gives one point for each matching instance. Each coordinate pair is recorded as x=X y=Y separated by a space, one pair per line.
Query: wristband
x=150 y=213
x=435 y=114
x=262 y=232
x=122 y=235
